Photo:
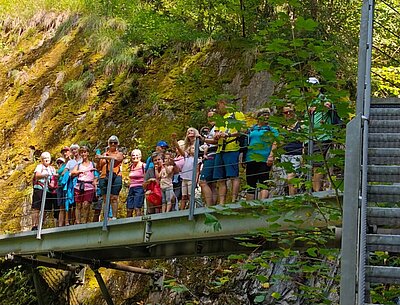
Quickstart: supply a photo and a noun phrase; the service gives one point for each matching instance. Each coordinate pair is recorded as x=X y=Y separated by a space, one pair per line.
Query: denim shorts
x=226 y=165
x=116 y=186
x=208 y=169
x=135 y=198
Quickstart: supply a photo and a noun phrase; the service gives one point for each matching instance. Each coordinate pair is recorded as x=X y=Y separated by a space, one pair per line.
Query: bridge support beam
x=40 y=294
x=103 y=287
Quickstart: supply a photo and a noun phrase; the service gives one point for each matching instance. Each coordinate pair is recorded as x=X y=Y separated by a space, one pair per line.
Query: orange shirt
x=104 y=164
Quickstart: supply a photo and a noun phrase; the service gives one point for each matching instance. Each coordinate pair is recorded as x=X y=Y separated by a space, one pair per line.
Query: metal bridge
x=163 y=235
x=202 y=231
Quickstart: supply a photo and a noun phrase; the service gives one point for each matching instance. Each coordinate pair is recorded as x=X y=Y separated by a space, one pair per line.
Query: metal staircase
x=371 y=205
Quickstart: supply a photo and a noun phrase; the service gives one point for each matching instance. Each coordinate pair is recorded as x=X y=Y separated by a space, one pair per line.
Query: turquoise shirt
x=261 y=139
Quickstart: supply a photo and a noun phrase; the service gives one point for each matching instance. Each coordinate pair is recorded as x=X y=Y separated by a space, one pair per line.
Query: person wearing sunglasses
x=103 y=167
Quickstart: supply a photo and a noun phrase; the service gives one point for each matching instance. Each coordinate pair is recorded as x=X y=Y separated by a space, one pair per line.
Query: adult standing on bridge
x=84 y=190
x=135 y=199
x=260 y=153
x=43 y=171
x=321 y=114
x=226 y=166
x=103 y=167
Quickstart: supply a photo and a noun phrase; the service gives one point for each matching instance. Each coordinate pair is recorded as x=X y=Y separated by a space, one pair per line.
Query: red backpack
x=153 y=197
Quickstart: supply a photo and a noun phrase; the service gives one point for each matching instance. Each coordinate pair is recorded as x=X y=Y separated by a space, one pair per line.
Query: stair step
x=383 y=156
x=384 y=113
x=384 y=193
x=382 y=242
x=383 y=216
x=385 y=102
x=384 y=140
x=382 y=274
x=384 y=126
x=383 y=173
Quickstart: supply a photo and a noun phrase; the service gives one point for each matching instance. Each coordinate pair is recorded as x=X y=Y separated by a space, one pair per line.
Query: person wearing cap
x=226 y=166
x=320 y=113
x=65 y=152
x=43 y=171
x=103 y=166
x=161 y=147
x=260 y=153
x=61 y=193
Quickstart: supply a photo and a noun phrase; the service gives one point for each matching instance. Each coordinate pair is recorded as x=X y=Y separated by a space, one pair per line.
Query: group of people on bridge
x=210 y=158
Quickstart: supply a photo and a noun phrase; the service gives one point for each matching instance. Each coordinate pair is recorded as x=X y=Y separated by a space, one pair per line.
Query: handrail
x=364 y=170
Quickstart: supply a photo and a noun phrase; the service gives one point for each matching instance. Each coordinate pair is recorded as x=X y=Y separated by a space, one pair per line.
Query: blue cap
x=162 y=144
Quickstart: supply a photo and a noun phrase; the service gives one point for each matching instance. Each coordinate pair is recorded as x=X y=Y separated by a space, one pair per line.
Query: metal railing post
x=194 y=178
x=364 y=177
x=42 y=206
x=350 y=220
x=108 y=195
x=310 y=150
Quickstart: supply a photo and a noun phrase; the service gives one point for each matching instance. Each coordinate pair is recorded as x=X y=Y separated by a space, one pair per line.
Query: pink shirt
x=136 y=175
x=87 y=176
x=179 y=161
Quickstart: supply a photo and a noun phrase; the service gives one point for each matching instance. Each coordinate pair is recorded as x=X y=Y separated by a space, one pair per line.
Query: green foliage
x=77 y=89
x=16 y=287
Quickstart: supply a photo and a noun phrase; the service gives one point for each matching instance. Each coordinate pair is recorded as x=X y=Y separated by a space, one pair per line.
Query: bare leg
x=114 y=205
x=221 y=191
x=264 y=194
x=35 y=218
x=85 y=211
x=78 y=210
x=207 y=193
x=61 y=217
x=129 y=212
x=138 y=212
x=292 y=189
x=317 y=180
x=235 y=188
x=169 y=206
x=184 y=201
x=96 y=215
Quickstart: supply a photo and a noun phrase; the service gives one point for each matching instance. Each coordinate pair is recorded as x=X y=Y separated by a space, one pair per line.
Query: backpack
x=153 y=193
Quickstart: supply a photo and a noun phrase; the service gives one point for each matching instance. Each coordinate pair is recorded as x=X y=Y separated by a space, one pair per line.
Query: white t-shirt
x=41 y=169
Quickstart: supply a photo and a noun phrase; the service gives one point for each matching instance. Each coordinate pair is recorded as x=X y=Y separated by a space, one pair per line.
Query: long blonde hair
x=187 y=140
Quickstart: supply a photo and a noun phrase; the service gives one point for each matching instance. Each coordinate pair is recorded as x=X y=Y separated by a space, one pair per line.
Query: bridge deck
x=153 y=236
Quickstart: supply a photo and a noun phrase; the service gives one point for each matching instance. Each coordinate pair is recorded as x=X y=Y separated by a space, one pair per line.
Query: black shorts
x=256 y=172
x=50 y=203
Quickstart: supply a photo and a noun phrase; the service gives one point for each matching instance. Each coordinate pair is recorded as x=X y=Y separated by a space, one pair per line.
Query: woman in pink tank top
x=86 y=186
x=135 y=199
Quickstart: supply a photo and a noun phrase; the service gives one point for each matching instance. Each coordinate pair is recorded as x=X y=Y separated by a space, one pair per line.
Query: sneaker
x=114 y=218
x=34 y=228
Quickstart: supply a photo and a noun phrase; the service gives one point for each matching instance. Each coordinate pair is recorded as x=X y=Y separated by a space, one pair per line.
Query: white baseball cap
x=313 y=81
